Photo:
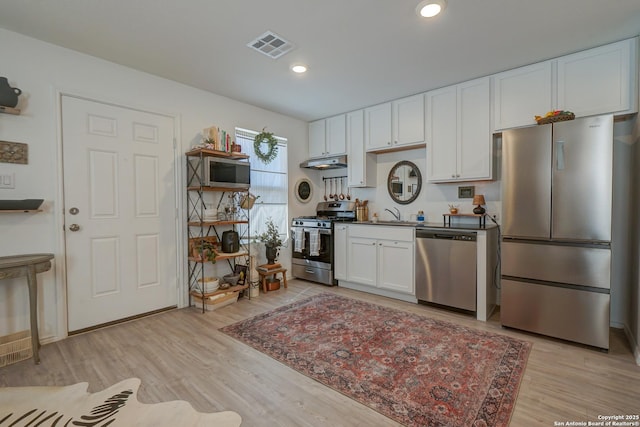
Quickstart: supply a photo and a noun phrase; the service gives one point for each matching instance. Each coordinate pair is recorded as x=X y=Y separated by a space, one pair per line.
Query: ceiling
x=359 y=52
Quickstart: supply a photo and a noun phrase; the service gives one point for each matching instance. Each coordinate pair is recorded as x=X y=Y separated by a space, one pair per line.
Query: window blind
x=269 y=181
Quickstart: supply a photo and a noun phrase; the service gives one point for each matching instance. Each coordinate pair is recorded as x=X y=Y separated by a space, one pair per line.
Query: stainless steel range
x=312 y=238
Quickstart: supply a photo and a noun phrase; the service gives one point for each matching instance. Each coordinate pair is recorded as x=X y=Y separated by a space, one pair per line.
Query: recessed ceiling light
x=431 y=8
x=299 y=68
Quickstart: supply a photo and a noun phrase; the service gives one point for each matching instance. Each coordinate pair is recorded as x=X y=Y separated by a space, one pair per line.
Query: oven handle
x=321 y=230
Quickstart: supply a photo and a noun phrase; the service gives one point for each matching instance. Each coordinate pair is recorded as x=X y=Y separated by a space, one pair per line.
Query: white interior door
x=120 y=212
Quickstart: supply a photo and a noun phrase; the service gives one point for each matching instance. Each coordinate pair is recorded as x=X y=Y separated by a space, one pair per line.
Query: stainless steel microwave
x=219 y=172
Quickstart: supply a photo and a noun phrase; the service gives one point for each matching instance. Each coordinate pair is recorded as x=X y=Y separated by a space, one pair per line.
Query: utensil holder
x=362 y=213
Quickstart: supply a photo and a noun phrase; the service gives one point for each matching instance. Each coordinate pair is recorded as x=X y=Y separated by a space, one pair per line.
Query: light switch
x=7 y=180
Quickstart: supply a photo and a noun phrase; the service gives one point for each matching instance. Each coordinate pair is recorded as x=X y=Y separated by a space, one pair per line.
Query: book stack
x=218 y=138
x=265 y=268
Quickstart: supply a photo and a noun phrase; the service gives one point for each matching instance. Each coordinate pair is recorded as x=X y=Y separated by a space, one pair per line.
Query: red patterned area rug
x=413 y=369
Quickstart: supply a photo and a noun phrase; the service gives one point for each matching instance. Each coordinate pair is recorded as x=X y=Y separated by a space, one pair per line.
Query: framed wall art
x=14 y=152
x=304 y=190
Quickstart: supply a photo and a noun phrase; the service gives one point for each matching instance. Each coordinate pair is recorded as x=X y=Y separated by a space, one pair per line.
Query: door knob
x=74 y=227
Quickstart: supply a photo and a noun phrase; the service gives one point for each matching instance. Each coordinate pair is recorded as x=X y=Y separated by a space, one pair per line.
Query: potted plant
x=204 y=249
x=272 y=241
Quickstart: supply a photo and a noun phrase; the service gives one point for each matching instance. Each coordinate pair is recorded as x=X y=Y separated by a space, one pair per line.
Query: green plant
x=271 y=237
x=205 y=250
x=272 y=146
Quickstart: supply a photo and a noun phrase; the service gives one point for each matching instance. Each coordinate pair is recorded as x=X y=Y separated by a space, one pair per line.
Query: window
x=269 y=181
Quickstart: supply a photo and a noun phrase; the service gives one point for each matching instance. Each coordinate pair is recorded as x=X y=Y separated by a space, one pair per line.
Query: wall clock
x=304 y=190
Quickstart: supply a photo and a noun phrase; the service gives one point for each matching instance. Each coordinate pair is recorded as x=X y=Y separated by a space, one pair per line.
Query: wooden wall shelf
x=214 y=222
x=215 y=153
x=9 y=110
x=218 y=189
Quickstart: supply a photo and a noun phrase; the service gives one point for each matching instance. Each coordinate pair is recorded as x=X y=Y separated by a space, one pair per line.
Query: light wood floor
x=181 y=355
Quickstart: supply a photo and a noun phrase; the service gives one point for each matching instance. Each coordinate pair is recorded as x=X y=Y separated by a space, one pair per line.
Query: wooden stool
x=265 y=274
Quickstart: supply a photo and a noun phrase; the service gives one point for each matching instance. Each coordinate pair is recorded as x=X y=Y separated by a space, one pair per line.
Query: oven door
x=315 y=267
x=323 y=254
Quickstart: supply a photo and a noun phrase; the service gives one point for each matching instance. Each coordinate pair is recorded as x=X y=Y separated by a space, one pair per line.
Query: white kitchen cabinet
x=340 y=252
x=408 y=120
x=395 y=125
x=327 y=137
x=381 y=258
x=521 y=94
x=600 y=80
x=395 y=272
x=361 y=167
x=317 y=136
x=362 y=259
x=595 y=81
x=459 y=141
x=377 y=127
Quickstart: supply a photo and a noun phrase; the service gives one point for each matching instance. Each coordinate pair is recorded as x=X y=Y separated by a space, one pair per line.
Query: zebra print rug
x=116 y=406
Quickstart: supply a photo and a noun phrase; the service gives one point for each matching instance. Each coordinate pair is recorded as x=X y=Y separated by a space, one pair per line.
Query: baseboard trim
x=126 y=319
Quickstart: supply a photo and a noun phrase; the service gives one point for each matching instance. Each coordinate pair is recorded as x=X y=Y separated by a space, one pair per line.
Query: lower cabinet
x=395 y=266
x=377 y=258
x=362 y=255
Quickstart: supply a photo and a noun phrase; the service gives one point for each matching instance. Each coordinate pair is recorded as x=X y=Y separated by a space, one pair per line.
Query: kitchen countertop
x=437 y=225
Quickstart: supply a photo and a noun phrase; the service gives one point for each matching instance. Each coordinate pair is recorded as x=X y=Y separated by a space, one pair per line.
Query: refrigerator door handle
x=559 y=155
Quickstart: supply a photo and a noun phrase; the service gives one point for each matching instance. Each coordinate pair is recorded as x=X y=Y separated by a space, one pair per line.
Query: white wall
x=43 y=70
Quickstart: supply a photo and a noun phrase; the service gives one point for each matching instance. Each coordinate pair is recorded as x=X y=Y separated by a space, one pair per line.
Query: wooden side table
x=28 y=265
x=265 y=274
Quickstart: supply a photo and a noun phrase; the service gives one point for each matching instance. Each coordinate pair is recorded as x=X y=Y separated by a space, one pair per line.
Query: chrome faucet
x=395 y=215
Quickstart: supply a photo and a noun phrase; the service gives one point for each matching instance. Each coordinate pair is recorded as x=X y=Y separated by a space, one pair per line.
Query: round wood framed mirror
x=404 y=182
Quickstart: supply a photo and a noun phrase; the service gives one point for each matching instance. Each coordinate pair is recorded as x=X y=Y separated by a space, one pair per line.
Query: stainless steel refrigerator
x=556 y=253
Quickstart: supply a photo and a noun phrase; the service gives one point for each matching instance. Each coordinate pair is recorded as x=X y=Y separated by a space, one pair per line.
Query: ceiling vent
x=271 y=44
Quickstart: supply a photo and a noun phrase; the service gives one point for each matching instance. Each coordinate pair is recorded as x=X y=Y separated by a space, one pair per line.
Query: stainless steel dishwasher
x=446 y=267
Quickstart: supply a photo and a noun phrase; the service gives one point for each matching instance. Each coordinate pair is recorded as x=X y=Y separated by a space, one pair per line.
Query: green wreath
x=265 y=138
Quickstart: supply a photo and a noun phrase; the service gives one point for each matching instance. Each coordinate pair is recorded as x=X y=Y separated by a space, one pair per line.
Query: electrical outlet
x=8 y=180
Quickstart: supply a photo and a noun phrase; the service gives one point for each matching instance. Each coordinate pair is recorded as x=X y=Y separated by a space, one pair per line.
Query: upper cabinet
x=595 y=81
x=377 y=127
x=327 y=137
x=361 y=167
x=395 y=125
x=520 y=94
x=600 y=80
x=459 y=141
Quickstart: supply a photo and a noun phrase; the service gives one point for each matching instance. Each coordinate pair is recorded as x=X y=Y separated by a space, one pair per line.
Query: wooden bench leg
x=264 y=284
x=284 y=278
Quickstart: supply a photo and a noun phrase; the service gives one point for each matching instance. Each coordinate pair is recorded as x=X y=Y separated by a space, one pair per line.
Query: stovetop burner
x=326 y=213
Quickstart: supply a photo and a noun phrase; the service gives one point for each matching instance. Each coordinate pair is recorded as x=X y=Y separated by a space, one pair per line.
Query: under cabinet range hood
x=336 y=162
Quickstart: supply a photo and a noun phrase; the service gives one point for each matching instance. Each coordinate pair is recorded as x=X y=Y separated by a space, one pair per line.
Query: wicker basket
x=247 y=201
x=557 y=118
x=15 y=348
x=219 y=302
